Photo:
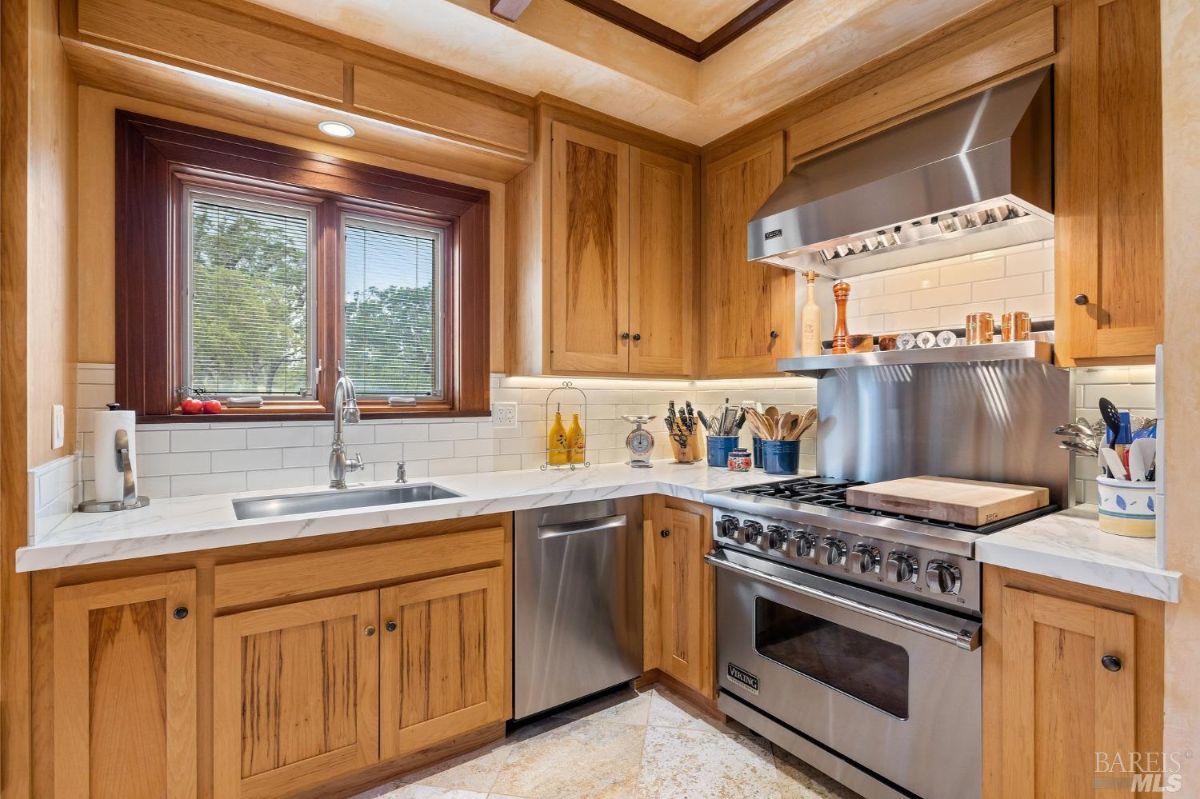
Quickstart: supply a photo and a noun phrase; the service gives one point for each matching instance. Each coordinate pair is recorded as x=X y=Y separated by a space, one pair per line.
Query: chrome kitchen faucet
x=345 y=411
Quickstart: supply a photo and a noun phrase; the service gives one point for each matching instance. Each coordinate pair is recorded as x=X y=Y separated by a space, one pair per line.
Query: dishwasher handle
x=579 y=528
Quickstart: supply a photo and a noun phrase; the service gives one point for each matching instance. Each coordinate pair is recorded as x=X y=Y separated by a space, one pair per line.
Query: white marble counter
x=1070 y=546
x=187 y=524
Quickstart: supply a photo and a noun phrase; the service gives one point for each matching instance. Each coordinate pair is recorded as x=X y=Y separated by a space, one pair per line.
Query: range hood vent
x=972 y=176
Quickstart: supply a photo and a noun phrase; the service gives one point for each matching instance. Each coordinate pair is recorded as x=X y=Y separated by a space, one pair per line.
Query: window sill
x=250 y=415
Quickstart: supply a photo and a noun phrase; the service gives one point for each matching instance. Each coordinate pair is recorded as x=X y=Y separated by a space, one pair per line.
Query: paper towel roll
x=110 y=478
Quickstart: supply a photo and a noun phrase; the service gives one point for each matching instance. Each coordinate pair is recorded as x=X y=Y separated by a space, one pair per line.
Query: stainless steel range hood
x=975 y=175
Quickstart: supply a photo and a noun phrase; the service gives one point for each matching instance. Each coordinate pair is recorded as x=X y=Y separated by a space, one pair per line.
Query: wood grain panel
x=125 y=688
x=296 y=699
x=310 y=573
x=662 y=266
x=680 y=592
x=935 y=82
x=589 y=252
x=426 y=106
x=1049 y=703
x=241 y=52
x=442 y=670
x=744 y=302
x=1109 y=201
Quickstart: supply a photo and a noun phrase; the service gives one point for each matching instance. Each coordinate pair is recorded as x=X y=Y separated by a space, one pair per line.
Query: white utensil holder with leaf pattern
x=1127 y=508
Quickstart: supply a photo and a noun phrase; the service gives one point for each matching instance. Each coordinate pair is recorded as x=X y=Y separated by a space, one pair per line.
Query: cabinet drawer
x=274 y=579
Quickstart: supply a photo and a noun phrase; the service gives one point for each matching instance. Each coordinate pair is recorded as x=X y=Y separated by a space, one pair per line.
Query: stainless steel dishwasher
x=577 y=596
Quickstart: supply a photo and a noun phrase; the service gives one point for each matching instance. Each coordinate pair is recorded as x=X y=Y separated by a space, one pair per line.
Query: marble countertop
x=1069 y=545
x=188 y=524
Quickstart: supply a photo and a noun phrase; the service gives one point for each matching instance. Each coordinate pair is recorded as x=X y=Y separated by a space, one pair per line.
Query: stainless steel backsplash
x=982 y=421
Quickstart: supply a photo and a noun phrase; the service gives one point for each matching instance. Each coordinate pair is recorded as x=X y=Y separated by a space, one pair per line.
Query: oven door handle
x=965 y=637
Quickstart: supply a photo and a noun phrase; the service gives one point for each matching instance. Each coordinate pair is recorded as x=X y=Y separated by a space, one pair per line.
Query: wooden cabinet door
x=589 y=251
x=680 y=594
x=125 y=688
x=1061 y=707
x=295 y=694
x=1108 y=248
x=748 y=309
x=662 y=269
x=442 y=668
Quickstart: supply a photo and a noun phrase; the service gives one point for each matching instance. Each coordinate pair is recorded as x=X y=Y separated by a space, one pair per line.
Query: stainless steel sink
x=291 y=504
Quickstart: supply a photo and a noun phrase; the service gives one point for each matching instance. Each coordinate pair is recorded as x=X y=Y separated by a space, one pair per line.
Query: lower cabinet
x=1072 y=688
x=441 y=665
x=680 y=590
x=310 y=691
x=295 y=695
x=125 y=688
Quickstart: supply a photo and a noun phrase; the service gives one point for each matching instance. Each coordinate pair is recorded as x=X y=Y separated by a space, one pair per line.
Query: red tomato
x=213 y=406
x=191 y=405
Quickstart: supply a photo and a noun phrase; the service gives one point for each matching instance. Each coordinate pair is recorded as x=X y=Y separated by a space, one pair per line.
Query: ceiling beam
x=510 y=9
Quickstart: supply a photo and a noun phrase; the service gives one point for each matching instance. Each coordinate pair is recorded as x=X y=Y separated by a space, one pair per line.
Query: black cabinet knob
x=369 y=630
x=180 y=613
x=774 y=334
x=1111 y=662
x=390 y=626
x=637 y=336
x=664 y=533
x=1081 y=299
x=625 y=336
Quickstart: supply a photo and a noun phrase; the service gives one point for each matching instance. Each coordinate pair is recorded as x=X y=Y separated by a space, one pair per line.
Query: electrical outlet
x=504 y=415
x=58 y=426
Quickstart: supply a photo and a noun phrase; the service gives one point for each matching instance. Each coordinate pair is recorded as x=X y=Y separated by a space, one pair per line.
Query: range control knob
x=831 y=552
x=942 y=577
x=800 y=545
x=748 y=533
x=864 y=559
x=727 y=526
x=774 y=538
x=901 y=568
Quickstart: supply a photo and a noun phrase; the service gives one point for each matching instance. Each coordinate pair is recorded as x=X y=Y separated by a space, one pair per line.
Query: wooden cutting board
x=949 y=499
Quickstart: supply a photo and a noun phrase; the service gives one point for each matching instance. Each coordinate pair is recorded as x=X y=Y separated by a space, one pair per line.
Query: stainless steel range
x=852 y=637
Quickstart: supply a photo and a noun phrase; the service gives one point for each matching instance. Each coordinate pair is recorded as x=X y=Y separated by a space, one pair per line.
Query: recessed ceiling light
x=338 y=130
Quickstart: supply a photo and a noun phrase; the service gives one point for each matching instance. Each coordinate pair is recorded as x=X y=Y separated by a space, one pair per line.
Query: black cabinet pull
x=390 y=626
x=774 y=334
x=369 y=631
x=1111 y=662
x=1081 y=299
x=637 y=336
x=180 y=613
x=664 y=533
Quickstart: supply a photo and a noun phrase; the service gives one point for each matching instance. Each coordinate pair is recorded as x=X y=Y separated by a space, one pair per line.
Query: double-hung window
x=282 y=270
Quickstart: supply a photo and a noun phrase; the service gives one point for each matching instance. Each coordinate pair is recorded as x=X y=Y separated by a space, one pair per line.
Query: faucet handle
x=355 y=464
x=401 y=472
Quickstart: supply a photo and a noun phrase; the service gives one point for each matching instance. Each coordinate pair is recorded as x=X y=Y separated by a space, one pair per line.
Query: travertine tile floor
x=628 y=745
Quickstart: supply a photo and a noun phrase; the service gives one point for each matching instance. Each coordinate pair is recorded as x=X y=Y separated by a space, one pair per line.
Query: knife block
x=689 y=451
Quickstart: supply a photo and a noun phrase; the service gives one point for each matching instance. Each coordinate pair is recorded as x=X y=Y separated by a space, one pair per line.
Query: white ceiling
x=558 y=48
x=695 y=19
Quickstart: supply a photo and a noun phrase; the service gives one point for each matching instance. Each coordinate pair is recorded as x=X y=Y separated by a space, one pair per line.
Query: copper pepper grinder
x=841 y=293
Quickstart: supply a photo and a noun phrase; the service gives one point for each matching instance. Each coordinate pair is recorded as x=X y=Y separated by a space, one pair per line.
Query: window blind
x=250 y=304
x=392 y=277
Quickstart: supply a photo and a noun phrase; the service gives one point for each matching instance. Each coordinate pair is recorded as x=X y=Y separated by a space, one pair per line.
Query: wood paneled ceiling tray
x=973 y=503
x=696 y=28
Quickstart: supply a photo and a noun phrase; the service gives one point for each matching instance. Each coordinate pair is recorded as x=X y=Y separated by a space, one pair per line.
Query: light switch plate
x=504 y=415
x=58 y=426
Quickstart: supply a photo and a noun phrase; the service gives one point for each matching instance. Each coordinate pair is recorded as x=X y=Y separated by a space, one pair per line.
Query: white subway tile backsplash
x=971 y=271
x=280 y=478
x=886 y=303
x=1037 y=260
x=923 y=319
x=944 y=295
x=192 y=484
x=172 y=463
x=452 y=431
x=408 y=431
x=246 y=459
x=286 y=436
x=905 y=281
x=1007 y=287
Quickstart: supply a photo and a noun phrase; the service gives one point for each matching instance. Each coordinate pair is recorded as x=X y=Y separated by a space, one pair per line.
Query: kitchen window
x=246 y=269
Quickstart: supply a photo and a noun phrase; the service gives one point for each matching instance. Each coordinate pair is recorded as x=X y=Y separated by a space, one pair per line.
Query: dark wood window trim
x=157 y=159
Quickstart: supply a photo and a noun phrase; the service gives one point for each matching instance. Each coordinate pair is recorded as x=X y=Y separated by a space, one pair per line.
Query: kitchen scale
x=639 y=442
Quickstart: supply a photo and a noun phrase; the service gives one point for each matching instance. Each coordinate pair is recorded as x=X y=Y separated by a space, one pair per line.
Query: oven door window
x=859 y=665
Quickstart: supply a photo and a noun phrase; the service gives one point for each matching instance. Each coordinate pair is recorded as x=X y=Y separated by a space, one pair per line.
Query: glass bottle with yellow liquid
x=557 y=451
x=576 y=441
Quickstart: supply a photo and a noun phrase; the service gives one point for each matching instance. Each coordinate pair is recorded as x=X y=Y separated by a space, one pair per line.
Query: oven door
x=889 y=684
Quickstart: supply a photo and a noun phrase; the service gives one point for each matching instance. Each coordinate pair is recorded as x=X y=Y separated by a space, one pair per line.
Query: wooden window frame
x=158 y=160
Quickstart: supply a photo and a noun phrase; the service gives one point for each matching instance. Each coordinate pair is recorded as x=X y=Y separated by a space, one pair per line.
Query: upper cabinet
x=1108 y=208
x=749 y=308
x=602 y=272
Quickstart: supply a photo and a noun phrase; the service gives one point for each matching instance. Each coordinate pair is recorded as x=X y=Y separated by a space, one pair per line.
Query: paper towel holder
x=130 y=500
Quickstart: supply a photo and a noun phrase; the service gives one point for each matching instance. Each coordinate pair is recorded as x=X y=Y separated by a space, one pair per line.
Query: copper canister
x=1015 y=326
x=979 y=328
